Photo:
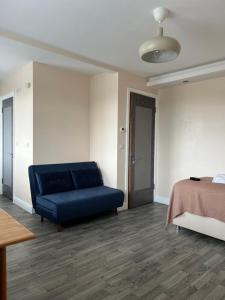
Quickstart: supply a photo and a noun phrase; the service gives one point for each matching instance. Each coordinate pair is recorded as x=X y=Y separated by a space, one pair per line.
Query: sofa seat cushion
x=79 y=203
x=54 y=182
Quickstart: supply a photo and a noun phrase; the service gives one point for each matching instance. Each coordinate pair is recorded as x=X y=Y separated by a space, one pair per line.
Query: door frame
x=156 y=97
x=2 y=98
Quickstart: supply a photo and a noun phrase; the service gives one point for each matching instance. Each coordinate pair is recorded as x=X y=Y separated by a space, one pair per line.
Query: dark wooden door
x=7 y=143
x=141 y=150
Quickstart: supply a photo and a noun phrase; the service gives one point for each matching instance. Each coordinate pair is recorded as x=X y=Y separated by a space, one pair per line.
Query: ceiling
x=16 y=54
x=111 y=31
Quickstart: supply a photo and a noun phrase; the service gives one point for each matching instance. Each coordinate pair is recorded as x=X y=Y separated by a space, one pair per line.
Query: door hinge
x=2 y=180
x=2 y=110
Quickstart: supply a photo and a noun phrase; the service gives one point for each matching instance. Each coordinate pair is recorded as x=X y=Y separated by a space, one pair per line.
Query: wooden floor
x=124 y=257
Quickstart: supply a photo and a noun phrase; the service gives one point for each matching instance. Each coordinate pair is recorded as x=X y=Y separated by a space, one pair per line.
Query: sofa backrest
x=34 y=169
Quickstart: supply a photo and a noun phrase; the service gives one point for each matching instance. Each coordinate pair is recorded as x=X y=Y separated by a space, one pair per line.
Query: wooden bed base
x=204 y=225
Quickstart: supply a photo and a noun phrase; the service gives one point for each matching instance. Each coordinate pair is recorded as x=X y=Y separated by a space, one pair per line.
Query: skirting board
x=23 y=204
x=162 y=200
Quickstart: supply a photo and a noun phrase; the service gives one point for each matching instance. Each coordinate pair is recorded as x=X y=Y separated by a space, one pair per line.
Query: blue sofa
x=64 y=192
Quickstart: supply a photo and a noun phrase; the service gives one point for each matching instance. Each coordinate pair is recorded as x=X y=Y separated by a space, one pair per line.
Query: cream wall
x=108 y=113
x=190 y=129
x=126 y=81
x=61 y=115
x=103 y=125
x=51 y=120
x=67 y=116
x=23 y=128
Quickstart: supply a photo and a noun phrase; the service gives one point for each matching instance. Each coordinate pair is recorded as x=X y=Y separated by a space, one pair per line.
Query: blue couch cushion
x=34 y=169
x=54 y=182
x=85 y=178
x=78 y=203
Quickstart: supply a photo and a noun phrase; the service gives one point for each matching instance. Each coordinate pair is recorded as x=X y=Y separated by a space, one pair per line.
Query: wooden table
x=11 y=232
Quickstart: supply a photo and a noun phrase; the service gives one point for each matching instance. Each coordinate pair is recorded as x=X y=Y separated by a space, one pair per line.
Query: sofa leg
x=42 y=219
x=59 y=227
x=115 y=211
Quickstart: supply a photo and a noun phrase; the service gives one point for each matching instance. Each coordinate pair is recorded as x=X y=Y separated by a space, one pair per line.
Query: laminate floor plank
x=126 y=257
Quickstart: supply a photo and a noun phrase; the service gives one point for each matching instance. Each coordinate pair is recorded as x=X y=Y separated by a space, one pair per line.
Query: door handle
x=132 y=159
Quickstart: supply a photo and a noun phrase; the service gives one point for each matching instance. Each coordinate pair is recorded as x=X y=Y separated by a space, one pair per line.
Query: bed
x=198 y=206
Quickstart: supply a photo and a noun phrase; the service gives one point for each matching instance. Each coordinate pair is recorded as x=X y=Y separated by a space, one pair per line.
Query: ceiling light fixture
x=160 y=48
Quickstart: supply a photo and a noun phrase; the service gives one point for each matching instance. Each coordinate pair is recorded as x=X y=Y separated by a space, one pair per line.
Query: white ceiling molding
x=17 y=51
x=211 y=70
x=53 y=49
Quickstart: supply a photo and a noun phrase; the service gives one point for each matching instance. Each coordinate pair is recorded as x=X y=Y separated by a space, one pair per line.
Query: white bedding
x=220 y=178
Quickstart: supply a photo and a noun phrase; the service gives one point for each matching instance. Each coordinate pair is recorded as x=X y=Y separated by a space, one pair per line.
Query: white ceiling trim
x=211 y=70
x=55 y=50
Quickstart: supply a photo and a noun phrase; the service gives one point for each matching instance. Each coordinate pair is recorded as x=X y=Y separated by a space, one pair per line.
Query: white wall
x=51 y=120
x=103 y=125
x=23 y=128
x=191 y=127
x=61 y=115
x=67 y=116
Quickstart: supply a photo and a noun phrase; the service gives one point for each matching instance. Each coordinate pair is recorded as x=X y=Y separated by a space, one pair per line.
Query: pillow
x=87 y=178
x=54 y=182
x=220 y=178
